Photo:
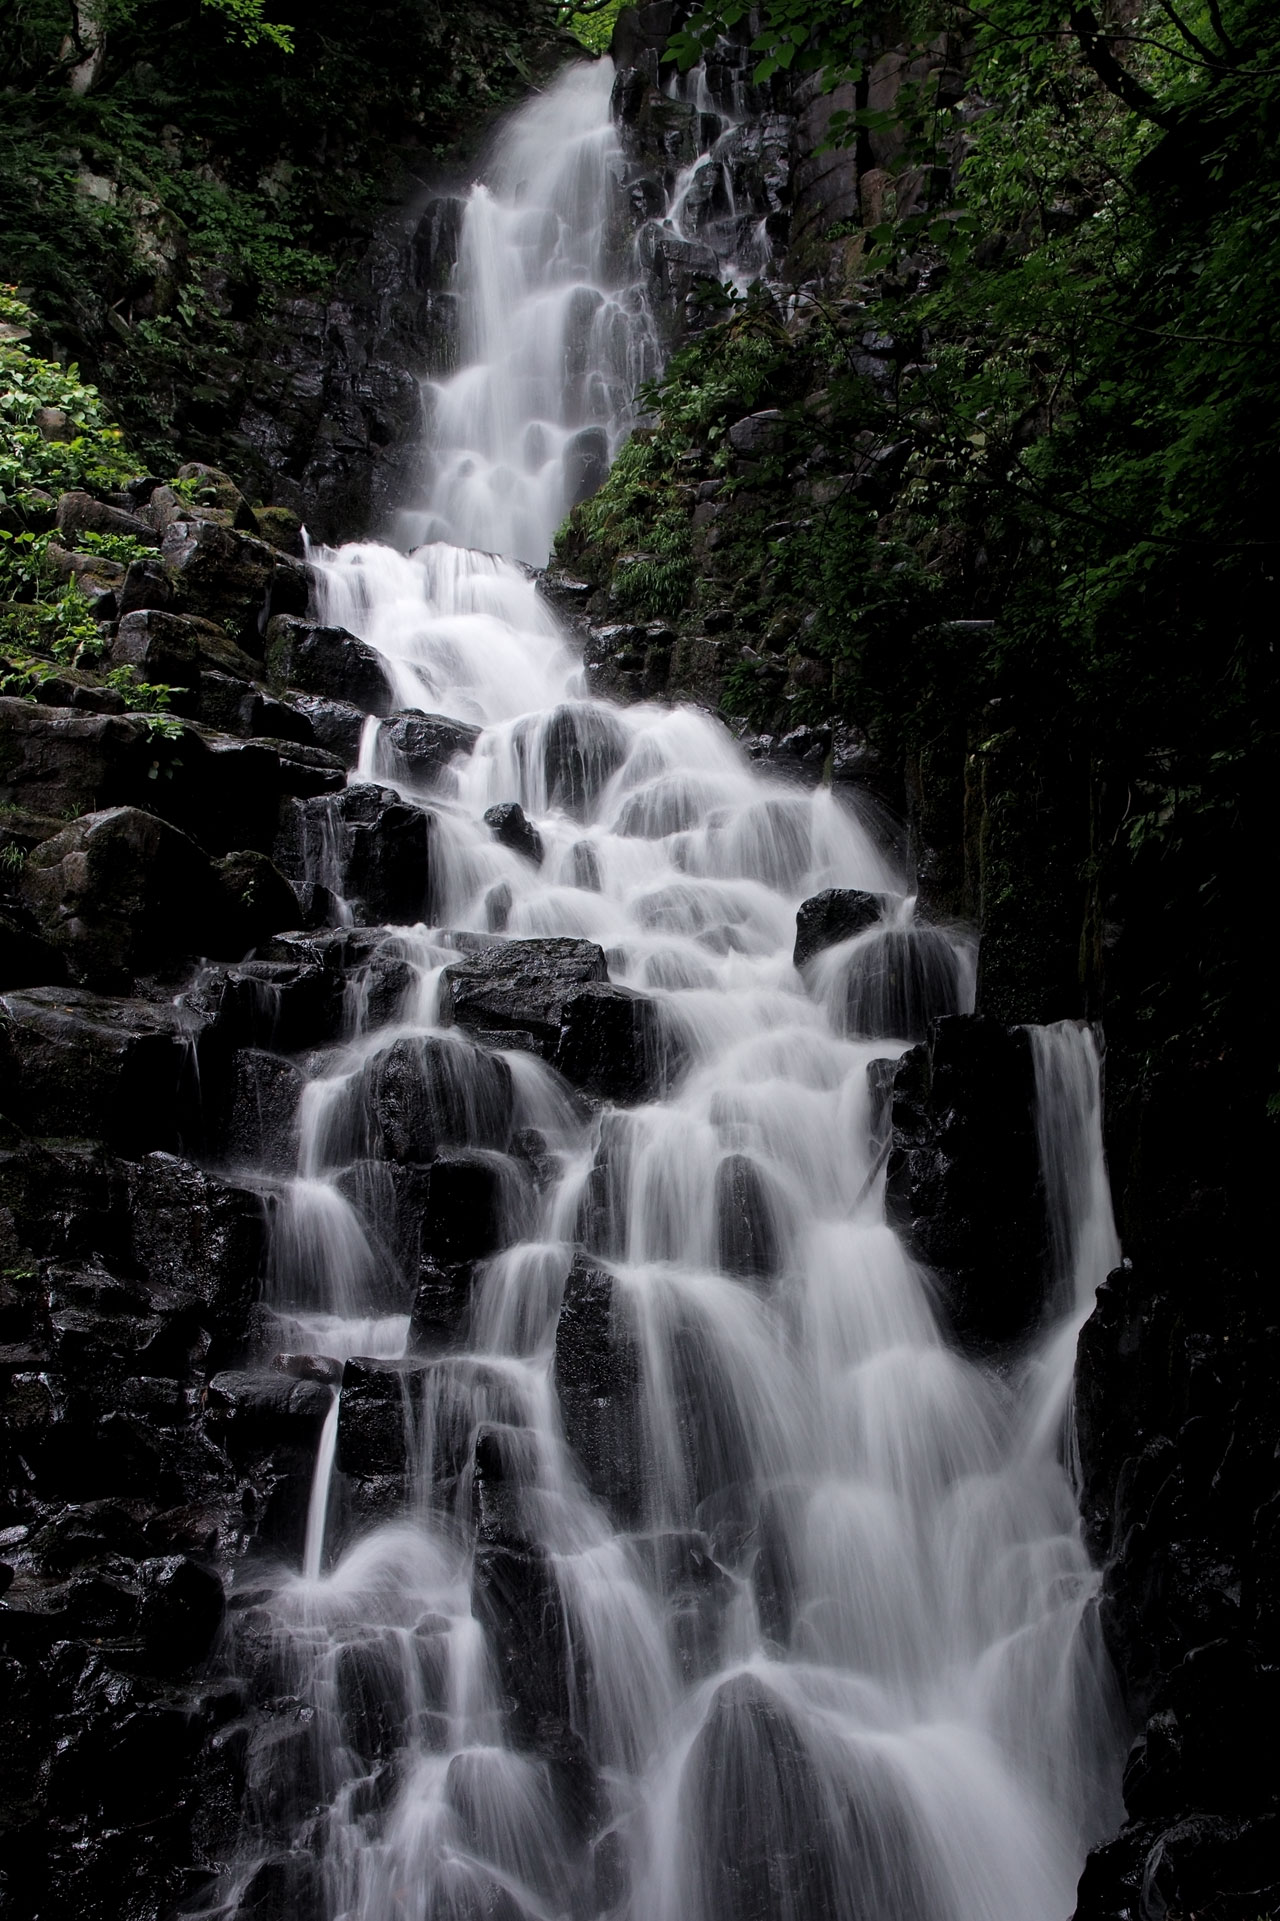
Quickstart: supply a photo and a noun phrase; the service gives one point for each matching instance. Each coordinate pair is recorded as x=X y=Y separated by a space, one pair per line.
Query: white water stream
x=837 y=1663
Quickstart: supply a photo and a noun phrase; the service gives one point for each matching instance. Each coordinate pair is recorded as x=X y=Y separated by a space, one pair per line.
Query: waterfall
x=691 y=1573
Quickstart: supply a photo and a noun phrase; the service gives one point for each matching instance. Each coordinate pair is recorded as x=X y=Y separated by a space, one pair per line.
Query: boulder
x=366 y=845
x=120 y=893
x=964 y=1186
x=463 y=1218
x=248 y=1408
x=510 y=826
x=336 y=725
x=254 y=901
x=834 y=915
x=251 y=1119
x=199 y=1232
x=519 y=990
x=760 y=1839
x=758 y=434
x=181 y=1610
x=554 y=998
x=327 y=661
x=217 y=570
x=220 y=701
x=76 y=1063
x=612 y=1043
x=57 y=762
x=380 y=1404
x=746 y=1230
x=597 y=1383
x=516 y=1599
x=148 y=583
x=422 y=746
x=898 y=980
x=441 y=1305
x=427 y=1093
x=579 y=747
x=173 y=648
x=80 y=513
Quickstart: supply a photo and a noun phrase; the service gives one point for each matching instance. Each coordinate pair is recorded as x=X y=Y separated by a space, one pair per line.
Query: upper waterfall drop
x=554 y=334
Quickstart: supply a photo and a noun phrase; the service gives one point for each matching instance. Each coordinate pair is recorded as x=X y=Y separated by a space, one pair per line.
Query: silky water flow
x=806 y=1633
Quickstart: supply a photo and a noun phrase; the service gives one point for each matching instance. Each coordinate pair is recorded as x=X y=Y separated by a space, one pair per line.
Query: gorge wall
x=146 y=1452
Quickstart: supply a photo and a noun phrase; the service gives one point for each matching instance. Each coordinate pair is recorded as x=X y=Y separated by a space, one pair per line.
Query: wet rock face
x=424 y=745
x=964 y=1186
x=120 y=893
x=1177 y=1433
x=834 y=915
x=554 y=998
x=597 y=1383
x=124 y=1282
x=327 y=661
x=364 y=844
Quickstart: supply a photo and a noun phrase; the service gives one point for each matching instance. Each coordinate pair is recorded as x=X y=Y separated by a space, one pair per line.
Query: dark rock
x=464 y=1215
x=964 y=1184
x=897 y=980
x=834 y=915
x=256 y=1126
x=148 y=583
x=310 y=1367
x=195 y=1231
x=441 y=1304
x=281 y=528
x=758 y=434
x=366 y=845
x=579 y=747
x=597 y=1383
x=379 y=1407
x=119 y=893
x=222 y=791
x=612 y=1043
x=181 y=1611
x=75 y=1063
x=425 y=1094
x=80 y=513
x=586 y=462
x=515 y=1596
x=277 y=1005
x=746 y=1228
x=519 y=989
x=249 y=1408
x=422 y=746
x=756 y=1814
x=553 y=998
x=217 y=570
x=673 y=264
x=327 y=661
x=172 y=648
x=56 y=762
x=335 y=724
x=254 y=902
x=509 y=824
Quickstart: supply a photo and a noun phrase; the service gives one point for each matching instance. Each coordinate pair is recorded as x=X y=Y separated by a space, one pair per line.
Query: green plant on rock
x=123 y=548
x=55 y=433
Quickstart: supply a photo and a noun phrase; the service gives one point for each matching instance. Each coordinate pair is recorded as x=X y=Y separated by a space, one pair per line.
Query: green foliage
x=592 y=24
x=222 y=159
x=244 y=18
x=123 y=548
x=92 y=454
x=140 y=696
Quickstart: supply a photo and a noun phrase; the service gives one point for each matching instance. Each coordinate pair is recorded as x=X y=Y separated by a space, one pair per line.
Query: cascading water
x=555 y=334
x=719 y=1586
